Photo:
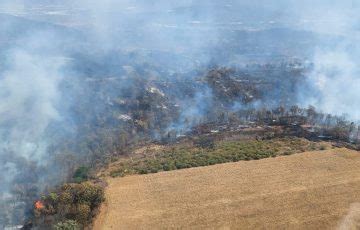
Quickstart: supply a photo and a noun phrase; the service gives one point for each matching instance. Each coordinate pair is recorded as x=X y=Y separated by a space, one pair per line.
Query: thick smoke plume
x=29 y=96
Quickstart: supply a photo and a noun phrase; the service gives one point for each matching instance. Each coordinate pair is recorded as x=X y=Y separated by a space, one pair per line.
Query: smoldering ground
x=61 y=57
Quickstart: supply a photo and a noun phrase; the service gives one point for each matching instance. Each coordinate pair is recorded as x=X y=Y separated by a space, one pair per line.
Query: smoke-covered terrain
x=80 y=81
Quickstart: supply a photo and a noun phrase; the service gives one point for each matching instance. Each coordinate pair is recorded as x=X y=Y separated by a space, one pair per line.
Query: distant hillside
x=14 y=29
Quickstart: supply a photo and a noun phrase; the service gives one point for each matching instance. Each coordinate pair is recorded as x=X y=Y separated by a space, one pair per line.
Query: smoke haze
x=50 y=48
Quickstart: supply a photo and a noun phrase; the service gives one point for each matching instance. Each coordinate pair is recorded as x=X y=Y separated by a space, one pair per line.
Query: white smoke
x=333 y=85
x=30 y=79
x=27 y=106
x=29 y=95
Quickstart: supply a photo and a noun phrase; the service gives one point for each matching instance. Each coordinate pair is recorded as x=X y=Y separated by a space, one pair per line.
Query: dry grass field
x=312 y=190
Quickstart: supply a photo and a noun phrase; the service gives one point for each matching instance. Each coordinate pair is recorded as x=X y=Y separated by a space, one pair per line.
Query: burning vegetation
x=77 y=203
x=220 y=104
x=39 y=205
x=76 y=96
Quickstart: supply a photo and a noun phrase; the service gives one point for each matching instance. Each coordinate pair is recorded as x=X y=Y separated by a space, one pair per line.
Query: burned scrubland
x=110 y=112
x=83 y=83
x=235 y=125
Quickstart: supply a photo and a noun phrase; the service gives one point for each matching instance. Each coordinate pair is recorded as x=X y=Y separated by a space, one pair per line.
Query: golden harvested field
x=313 y=190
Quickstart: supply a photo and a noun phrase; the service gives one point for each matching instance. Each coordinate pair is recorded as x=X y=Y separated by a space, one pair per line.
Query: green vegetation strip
x=72 y=206
x=222 y=152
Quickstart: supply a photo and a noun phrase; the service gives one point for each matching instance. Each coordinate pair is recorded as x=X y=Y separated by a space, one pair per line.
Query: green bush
x=211 y=153
x=81 y=174
x=67 y=225
x=142 y=171
x=82 y=213
x=76 y=202
x=117 y=173
x=205 y=142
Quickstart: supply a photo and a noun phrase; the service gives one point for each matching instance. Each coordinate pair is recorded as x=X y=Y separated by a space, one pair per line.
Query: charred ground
x=241 y=82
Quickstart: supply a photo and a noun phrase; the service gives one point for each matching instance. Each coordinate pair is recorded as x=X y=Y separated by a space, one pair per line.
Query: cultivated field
x=312 y=190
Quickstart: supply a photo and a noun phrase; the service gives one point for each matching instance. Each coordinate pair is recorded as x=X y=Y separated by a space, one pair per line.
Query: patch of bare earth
x=313 y=190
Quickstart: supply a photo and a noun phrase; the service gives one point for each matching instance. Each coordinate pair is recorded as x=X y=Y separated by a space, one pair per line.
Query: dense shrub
x=205 y=142
x=76 y=202
x=81 y=174
x=67 y=225
x=204 y=154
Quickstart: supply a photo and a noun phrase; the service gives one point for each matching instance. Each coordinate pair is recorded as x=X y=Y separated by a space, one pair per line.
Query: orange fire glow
x=39 y=205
